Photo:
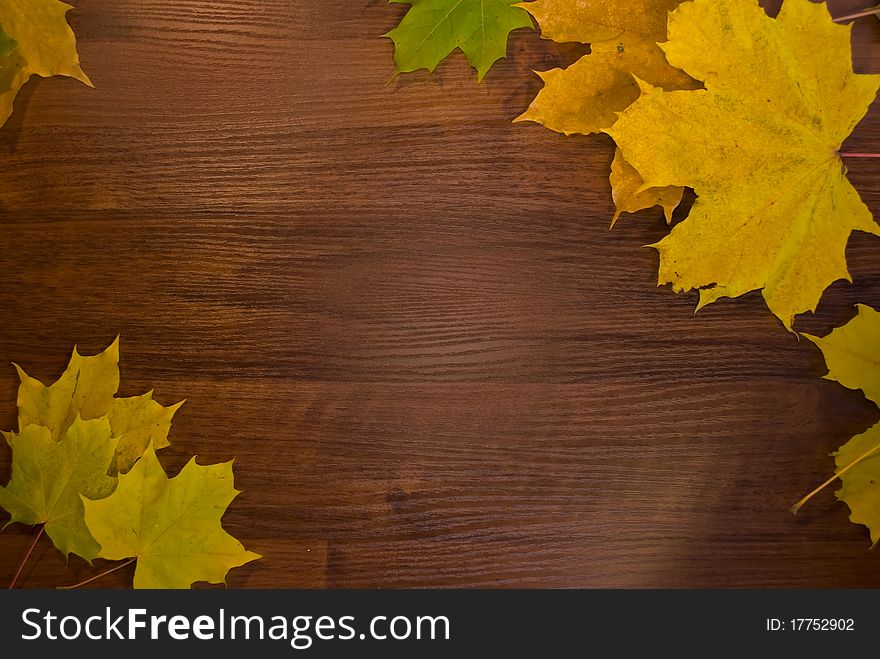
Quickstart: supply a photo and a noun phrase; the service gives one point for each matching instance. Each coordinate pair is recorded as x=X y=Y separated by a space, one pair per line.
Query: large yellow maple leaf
x=760 y=146
x=586 y=97
x=35 y=39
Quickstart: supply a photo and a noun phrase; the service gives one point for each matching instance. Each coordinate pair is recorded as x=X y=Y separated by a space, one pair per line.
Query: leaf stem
x=98 y=576
x=837 y=474
x=859 y=155
x=26 y=557
x=866 y=12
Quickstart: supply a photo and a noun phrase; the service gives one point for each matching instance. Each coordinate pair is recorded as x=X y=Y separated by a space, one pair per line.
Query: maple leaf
x=48 y=477
x=586 y=97
x=852 y=354
x=590 y=21
x=858 y=468
x=138 y=422
x=630 y=194
x=759 y=145
x=87 y=389
x=171 y=526
x=38 y=41
x=432 y=29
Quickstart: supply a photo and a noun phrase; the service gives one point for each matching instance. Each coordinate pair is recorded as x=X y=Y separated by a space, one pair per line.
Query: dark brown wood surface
x=406 y=318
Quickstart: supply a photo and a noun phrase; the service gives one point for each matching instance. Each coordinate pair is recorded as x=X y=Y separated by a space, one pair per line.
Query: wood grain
x=406 y=317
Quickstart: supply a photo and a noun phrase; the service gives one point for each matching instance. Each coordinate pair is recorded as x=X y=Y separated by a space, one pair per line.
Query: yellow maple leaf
x=852 y=354
x=858 y=468
x=87 y=389
x=760 y=146
x=630 y=195
x=171 y=526
x=586 y=97
x=590 y=21
x=38 y=42
x=137 y=422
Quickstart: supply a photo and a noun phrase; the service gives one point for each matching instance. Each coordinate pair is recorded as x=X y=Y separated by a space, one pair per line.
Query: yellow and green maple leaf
x=48 y=477
x=73 y=437
x=87 y=388
x=170 y=526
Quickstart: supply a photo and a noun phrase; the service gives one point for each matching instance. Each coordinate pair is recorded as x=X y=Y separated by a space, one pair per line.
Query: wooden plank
x=406 y=318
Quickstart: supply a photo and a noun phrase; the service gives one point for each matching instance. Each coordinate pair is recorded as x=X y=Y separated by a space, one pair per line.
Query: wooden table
x=406 y=318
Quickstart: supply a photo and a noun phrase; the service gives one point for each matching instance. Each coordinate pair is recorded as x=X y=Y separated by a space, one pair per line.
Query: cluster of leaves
x=852 y=354
x=84 y=466
x=587 y=97
x=35 y=39
x=747 y=110
x=84 y=462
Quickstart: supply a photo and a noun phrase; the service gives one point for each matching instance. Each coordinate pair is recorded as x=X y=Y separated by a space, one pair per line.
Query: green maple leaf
x=87 y=389
x=432 y=29
x=171 y=526
x=49 y=476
